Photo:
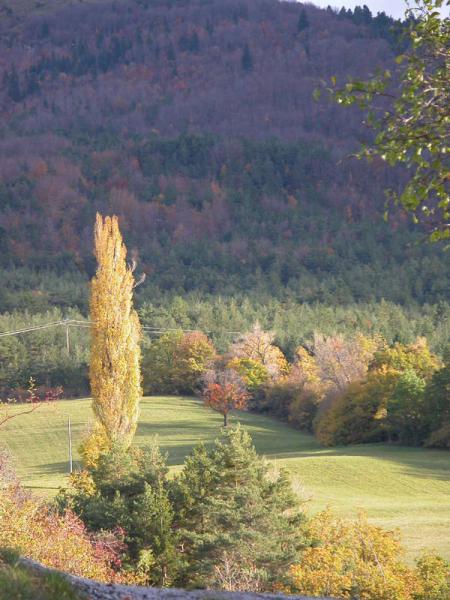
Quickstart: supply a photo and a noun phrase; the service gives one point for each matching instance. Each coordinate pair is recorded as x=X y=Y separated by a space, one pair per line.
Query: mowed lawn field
x=398 y=487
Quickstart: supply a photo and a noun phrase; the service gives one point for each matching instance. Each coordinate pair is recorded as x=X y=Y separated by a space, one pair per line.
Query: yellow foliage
x=58 y=541
x=358 y=415
x=401 y=357
x=353 y=560
x=258 y=345
x=93 y=446
x=306 y=372
x=115 y=352
x=305 y=378
x=433 y=573
x=83 y=482
x=253 y=373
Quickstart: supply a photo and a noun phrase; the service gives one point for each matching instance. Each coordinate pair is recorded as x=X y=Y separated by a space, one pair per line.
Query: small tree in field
x=34 y=401
x=115 y=353
x=224 y=391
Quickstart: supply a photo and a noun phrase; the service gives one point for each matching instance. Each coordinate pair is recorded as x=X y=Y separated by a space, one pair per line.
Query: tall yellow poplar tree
x=115 y=352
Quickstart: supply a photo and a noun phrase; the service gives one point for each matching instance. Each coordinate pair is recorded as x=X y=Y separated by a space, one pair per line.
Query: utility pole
x=69 y=431
x=67 y=336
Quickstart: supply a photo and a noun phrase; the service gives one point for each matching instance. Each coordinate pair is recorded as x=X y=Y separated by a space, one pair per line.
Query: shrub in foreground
x=355 y=560
x=56 y=540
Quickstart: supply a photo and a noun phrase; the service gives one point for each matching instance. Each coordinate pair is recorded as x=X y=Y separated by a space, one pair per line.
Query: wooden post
x=69 y=431
x=67 y=337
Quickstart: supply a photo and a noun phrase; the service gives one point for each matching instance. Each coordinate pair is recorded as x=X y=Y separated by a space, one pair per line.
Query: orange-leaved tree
x=115 y=351
x=224 y=391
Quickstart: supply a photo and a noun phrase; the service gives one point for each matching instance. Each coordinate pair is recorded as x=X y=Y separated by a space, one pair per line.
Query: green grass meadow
x=408 y=488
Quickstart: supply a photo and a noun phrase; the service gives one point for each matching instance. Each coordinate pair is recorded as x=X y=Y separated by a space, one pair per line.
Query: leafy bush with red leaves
x=56 y=540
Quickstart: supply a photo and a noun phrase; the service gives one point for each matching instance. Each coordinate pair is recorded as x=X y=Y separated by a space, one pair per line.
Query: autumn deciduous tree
x=61 y=541
x=356 y=560
x=115 y=352
x=342 y=361
x=359 y=414
x=175 y=362
x=394 y=402
x=224 y=391
x=297 y=396
x=433 y=574
x=259 y=345
x=403 y=357
x=253 y=373
x=310 y=390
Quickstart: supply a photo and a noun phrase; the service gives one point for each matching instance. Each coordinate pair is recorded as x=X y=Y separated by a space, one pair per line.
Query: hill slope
x=194 y=121
x=398 y=487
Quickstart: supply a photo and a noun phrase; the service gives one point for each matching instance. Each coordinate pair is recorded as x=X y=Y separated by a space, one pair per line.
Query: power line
x=87 y=324
x=33 y=328
x=160 y=329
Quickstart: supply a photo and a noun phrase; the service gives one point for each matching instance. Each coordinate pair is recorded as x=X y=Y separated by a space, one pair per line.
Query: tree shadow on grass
x=414 y=462
x=55 y=468
x=279 y=441
x=176 y=429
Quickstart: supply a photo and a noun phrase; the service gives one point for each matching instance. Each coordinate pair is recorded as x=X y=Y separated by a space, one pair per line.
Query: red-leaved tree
x=224 y=391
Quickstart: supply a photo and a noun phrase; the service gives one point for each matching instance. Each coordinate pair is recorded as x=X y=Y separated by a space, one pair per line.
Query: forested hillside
x=195 y=122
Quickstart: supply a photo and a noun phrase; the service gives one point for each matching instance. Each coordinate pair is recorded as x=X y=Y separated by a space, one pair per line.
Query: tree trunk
x=225 y=419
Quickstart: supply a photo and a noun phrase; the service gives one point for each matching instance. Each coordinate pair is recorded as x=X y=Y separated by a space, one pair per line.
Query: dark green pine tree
x=150 y=529
x=247 y=59
x=239 y=528
x=303 y=22
x=170 y=54
x=194 y=42
x=12 y=82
